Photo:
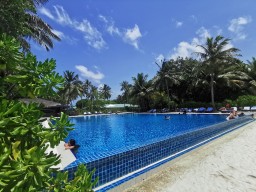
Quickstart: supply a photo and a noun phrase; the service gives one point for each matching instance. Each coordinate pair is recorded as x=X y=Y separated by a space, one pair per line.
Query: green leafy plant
x=24 y=163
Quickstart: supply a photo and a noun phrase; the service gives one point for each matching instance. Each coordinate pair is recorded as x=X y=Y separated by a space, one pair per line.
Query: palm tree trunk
x=212 y=91
x=168 y=94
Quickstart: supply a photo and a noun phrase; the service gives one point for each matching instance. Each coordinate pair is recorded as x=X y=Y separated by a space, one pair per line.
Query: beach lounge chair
x=234 y=108
x=195 y=110
x=209 y=109
x=246 y=108
x=201 y=110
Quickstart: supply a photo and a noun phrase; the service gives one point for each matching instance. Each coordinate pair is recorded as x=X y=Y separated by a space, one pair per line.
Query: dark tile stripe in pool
x=118 y=165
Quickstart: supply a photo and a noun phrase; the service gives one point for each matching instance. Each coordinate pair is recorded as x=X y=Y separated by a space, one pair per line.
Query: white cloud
x=91 y=35
x=110 y=25
x=237 y=27
x=46 y=12
x=62 y=16
x=132 y=36
x=86 y=73
x=179 y=24
x=185 y=49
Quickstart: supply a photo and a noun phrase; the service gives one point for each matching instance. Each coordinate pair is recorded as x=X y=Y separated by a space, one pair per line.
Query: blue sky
x=112 y=41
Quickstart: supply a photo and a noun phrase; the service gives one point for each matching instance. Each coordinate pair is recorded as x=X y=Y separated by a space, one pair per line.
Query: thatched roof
x=45 y=103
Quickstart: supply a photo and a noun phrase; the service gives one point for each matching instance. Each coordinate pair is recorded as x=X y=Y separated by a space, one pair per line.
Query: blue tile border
x=119 y=182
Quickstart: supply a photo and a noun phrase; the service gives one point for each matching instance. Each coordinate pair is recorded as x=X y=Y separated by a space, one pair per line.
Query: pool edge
x=143 y=173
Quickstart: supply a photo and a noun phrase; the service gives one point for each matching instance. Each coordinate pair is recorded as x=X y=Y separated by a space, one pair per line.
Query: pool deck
x=225 y=164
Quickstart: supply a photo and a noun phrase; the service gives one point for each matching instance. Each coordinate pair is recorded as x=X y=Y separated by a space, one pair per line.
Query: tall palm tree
x=87 y=86
x=215 y=56
x=167 y=76
x=105 y=91
x=72 y=87
x=93 y=95
x=126 y=88
x=141 y=90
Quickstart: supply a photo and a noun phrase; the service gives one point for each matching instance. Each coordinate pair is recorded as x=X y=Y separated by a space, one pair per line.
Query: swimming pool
x=119 y=144
x=102 y=134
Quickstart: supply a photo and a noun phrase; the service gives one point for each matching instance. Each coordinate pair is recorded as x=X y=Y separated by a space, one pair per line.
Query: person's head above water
x=72 y=142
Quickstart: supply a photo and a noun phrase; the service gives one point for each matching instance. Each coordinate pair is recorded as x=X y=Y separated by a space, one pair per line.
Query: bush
x=246 y=100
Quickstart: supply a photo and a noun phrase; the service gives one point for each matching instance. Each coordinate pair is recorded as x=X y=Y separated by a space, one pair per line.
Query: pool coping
x=139 y=175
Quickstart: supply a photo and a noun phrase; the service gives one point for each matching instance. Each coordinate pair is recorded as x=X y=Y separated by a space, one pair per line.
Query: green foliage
x=82 y=181
x=246 y=100
x=232 y=103
x=158 y=100
x=19 y=19
x=36 y=78
x=24 y=163
x=10 y=56
x=72 y=87
x=23 y=76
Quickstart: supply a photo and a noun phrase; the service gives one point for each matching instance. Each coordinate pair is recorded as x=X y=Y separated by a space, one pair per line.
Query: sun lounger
x=209 y=109
x=234 y=108
x=246 y=108
x=201 y=110
x=195 y=109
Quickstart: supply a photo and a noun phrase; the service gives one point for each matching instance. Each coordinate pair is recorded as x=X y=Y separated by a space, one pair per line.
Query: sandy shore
x=226 y=164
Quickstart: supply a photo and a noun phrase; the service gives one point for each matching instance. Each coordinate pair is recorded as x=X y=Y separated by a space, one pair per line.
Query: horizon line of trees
x=217 y=75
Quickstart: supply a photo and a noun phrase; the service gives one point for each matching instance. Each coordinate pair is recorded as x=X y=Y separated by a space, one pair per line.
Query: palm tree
x=105 y=91
x=87 y=86
x=252 y=73
x=167 y=76
x=19 y=19
x=215 y=56
x=141 y=90
x=39 y=31
x=72 y=87
x=93 y=95
x=126 y=88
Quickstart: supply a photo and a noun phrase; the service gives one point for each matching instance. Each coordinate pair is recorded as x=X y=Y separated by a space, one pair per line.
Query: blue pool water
x=110 y=134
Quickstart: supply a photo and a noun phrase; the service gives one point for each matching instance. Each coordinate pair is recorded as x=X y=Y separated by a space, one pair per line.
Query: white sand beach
x=225 y=164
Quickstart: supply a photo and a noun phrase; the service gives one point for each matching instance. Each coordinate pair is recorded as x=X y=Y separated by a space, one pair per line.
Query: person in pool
x=70 y=145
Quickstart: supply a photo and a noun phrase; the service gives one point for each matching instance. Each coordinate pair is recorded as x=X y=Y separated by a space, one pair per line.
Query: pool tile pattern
x=117 y=165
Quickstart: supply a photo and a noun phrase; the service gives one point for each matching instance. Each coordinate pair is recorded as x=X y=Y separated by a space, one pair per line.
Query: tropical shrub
x=246 y=100
x=24 y=163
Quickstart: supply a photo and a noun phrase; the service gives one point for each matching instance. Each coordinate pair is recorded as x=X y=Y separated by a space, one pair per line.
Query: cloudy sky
x=112 y=41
